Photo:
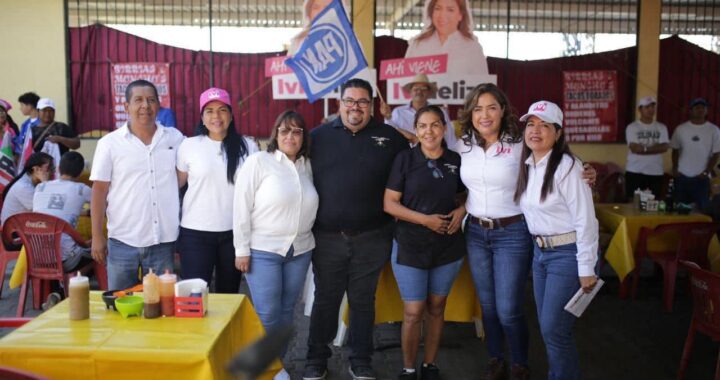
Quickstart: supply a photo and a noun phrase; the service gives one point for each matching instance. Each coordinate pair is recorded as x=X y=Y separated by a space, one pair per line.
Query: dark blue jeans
x=201 y=252
x=693 y=190
x=555 y=281
x=500 y=262
x=349 y=263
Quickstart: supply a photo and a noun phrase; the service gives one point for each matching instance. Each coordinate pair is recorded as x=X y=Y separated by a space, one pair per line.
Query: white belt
x=552 y=241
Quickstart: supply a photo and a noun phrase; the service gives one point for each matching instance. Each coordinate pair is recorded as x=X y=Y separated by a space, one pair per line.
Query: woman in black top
x=425 y=194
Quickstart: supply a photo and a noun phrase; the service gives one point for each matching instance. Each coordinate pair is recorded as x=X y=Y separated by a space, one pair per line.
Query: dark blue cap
x=697 y=101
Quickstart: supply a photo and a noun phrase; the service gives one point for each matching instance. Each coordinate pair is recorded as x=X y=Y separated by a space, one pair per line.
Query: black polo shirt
x=429 y=187
x=350 y=171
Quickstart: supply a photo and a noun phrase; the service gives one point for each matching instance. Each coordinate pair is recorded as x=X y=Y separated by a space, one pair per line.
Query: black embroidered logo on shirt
x=695 y=138
x=380 y=141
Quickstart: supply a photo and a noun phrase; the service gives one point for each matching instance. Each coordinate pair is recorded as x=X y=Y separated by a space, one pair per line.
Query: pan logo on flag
x=325 y=60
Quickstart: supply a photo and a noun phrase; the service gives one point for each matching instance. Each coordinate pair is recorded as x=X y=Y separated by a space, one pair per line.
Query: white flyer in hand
x=580 y=301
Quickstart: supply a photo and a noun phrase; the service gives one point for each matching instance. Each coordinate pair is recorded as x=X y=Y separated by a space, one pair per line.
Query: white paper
x=580 y=301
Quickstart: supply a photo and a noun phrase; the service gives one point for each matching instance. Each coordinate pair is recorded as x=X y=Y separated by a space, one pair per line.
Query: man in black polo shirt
x=351 y=160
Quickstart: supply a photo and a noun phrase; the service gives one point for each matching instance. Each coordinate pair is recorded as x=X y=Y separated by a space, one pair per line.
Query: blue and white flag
x=330 y=54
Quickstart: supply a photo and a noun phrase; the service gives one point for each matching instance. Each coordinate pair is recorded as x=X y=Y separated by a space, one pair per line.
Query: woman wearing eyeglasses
x=425 y=194
x=274 y=210
x=559 y=210
x=208 y=164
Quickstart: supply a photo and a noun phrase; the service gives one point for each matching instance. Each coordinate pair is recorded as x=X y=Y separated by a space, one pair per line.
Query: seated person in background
x=18 y=194
x=64 y=198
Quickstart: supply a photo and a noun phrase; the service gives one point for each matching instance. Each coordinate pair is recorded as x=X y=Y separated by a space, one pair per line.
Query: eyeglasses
x=362 y=103
x=436 y=172
x=284 y=131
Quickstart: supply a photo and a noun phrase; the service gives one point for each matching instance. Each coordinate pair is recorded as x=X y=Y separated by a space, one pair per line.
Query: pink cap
x=5 y=104
x=214 y=93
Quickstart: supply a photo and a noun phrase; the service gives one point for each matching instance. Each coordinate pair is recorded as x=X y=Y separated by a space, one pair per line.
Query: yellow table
x=624 y=221
x=108 y=347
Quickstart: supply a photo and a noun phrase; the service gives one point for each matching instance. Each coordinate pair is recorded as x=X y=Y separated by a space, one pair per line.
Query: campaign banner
x=330 y=54
x=590 y=100
x=287 y=86
x=408 y=67
x=452 y=87
x=122 y=74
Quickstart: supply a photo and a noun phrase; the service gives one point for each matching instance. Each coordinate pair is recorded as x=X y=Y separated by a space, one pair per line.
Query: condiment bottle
x=167 y=293
x=79 y=297
x=151 y=293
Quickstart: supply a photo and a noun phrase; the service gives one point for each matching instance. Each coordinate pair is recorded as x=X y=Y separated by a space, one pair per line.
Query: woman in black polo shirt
x=425 y=194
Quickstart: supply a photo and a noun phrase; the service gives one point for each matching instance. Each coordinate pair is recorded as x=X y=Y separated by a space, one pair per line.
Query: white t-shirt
x=143 y=204
x=490 y=177
x=646 y=135
x=568 y=208
x=696 y=142
x=208 y=202
x=63 y=199
x=465 y=55
x=19 y=198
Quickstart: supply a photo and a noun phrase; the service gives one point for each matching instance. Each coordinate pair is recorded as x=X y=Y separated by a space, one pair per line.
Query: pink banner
x=276 y=66
x=122 y=74
x=408 y=67
x=590 y=99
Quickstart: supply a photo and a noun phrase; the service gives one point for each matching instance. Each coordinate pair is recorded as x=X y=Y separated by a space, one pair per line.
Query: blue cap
x=697 y=101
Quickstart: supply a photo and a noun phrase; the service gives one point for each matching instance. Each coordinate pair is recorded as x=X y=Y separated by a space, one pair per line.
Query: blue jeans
x=124 y=260
x=275 y=284
x=346 y=262
x=202 y=252
x=415 y=283
x=693 y=190
x=555 y=281
x=500 y=261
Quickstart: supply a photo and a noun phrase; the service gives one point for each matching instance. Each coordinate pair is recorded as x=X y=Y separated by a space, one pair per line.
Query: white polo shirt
x=275 y=205
x=569 y=207
x=143 y=202
x=696 y=143
x=490 y=176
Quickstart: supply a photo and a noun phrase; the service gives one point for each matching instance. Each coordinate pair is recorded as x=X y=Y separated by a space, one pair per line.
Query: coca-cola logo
x=35 y=224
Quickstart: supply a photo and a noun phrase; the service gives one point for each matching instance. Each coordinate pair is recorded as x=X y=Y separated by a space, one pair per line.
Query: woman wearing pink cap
x=558 y=208
x=7 y=125
x=208 y=164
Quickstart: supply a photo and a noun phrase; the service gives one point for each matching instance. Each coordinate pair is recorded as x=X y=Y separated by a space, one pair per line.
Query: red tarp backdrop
x=686 y=71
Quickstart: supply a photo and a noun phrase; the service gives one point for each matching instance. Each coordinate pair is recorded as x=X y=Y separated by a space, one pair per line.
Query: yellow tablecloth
x=462 y=303
x=624 y=221
x=108 y=347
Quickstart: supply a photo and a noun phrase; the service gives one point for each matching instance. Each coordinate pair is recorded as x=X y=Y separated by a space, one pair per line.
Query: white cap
x=549 y=112
x=646 y=101
x=45 y=103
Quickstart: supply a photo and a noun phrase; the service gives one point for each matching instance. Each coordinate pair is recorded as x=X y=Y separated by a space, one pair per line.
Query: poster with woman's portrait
x=448 y=30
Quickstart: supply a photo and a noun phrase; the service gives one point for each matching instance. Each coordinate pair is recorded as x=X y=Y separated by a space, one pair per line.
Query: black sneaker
x=495 y=370
x=404 y=375
x=314 y=372
x=429 y=372
x=362 y=372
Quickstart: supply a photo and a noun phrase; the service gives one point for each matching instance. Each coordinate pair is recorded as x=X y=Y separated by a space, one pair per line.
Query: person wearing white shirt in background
x=558 y=207
x=208 y=163
x=274 y=210
x=135 y=184
x=449 y=30
x=696 y=149
x=647 y=140
x=18 y=194
x=403 y=117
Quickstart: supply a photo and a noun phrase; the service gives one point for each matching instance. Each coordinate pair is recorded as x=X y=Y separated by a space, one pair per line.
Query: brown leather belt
x=492 y=224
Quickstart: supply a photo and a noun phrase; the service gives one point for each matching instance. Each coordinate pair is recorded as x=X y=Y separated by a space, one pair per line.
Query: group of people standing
x=341 y=201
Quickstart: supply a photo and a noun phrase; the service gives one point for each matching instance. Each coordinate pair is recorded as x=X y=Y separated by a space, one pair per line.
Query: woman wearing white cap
x=498 y=242
x=449 y=30
x=208 y=164
x=558 y=208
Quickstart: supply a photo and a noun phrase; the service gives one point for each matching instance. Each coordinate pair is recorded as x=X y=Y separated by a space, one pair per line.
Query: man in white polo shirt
x=647 y=140
x=696 y=148
x=135 y=184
